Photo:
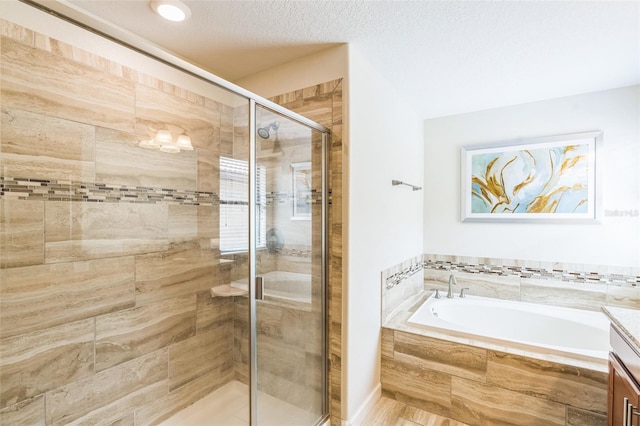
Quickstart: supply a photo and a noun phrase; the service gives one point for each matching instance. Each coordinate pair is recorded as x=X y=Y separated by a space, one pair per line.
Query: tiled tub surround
x=570 y=285
x=483 y=384
x=399 y=283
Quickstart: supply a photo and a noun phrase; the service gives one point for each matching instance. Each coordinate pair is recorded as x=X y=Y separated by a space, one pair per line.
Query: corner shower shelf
x=227 y=290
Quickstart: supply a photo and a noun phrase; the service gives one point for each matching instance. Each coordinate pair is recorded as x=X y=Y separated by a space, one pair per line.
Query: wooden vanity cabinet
x=624 y=391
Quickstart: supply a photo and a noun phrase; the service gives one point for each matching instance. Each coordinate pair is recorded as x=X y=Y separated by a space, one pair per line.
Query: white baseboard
x=365 y=407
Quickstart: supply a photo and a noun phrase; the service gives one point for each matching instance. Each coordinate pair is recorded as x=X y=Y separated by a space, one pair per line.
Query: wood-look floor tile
x=577 y=417
x=388 y=412
x=21 y=233
x=39 y=361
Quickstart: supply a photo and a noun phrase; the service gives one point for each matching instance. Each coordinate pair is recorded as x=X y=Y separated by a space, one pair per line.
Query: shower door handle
x=259 y=288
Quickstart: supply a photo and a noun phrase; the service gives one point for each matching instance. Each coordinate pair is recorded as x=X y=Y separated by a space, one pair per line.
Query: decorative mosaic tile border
x=395 y=275
x=288 y=198
x=57 y=190
x=556 y=273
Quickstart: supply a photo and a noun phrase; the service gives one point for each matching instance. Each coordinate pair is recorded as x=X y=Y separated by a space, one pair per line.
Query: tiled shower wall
x=108 y=249
x=322 y=103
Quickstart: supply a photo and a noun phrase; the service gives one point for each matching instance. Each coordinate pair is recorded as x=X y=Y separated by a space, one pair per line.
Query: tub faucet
x=452 y=282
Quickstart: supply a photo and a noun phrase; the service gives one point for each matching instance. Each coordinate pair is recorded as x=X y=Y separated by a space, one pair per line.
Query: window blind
x=234 y=205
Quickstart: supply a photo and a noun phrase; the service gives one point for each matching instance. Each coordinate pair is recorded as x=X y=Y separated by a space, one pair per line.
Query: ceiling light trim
x=171 y=10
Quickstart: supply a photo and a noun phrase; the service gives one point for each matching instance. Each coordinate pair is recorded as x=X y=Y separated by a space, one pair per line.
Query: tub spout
x=452 y=282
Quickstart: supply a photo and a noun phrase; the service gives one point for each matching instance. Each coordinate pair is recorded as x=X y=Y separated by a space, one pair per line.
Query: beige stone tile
x=576 y=417
x=483 y=404
x=210 y=352
x=209 y=227
x=112 y=394
x=21 y=233
x=387 y=336
x=42 y=82
x=76 y=231
x=563 y=293
x=128 y=334
x=16 y=32
x=577 y=387
x=183 y=223
x=625 y=296
x=165 y=406
x=167 y=275
x=120 y=161
x=156 y=110
x=209 y=170
x=213 y=312
x=440 y=355
x=72 y=53
x=427 y=390
x=41 y=296
x=507 y=287
x=36 y=362
x=28 y=412
x=39 y=146
x=128 y=420
x=386 y=411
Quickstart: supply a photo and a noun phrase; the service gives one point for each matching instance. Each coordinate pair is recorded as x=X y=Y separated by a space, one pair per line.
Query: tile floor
x=389 y=412
x=229 y=406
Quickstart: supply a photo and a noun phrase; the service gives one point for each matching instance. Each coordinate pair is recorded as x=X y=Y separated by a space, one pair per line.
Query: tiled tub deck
x=483 y=384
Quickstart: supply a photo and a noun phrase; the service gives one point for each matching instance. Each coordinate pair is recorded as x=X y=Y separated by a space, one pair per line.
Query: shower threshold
x=229 y=406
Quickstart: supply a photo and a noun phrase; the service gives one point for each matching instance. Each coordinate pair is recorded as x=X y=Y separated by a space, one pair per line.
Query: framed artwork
x=301 y=173
x=550 y=179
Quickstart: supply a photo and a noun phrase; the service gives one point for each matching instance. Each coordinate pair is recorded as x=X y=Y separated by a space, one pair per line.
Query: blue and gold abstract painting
x=540 y=179
x=543 y=180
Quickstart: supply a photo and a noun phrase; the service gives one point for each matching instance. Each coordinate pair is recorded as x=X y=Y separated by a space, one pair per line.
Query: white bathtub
x=538 y=328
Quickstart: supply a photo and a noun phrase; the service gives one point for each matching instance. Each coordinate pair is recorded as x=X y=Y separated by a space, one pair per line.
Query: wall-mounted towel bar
x=399 y=182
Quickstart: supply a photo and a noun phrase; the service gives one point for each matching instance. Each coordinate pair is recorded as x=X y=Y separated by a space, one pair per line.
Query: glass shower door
x=289 y=372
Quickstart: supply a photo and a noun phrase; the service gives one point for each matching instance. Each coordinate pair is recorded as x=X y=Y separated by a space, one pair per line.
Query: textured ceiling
x=443 y=57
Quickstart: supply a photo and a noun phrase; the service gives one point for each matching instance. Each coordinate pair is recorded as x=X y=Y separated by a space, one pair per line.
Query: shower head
x=263 y=132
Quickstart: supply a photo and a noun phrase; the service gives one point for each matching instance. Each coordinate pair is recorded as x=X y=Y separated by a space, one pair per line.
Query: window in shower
x=234 y=205
x=301 y=177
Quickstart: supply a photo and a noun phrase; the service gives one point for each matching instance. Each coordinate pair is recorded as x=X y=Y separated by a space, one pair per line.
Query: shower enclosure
x=162 y=243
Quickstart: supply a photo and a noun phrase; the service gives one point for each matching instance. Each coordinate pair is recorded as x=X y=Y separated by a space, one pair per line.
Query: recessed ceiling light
x=172 y=10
